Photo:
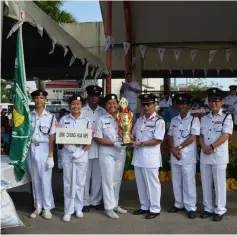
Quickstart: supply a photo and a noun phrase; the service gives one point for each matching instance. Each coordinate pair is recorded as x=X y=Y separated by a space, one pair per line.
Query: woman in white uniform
x=74 y=161
x=111 y=156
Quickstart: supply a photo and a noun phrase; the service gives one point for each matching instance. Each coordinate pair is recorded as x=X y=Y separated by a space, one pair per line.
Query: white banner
x=161 y=52
x=228 y=52
x=177 y=53
x=193 y=72
x=73 y=136
x=143 y=50
x=218 y=71
x=205 y=71
x=211 y=56
x=193 y=54
x=126 y=46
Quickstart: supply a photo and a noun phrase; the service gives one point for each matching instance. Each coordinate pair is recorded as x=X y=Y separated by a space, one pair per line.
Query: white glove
x=50 y=163
x=78 y=153
x=119 y=145
x=71 y=148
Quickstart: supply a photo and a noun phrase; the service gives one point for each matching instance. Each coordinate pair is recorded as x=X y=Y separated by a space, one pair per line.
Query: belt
x=36 y=144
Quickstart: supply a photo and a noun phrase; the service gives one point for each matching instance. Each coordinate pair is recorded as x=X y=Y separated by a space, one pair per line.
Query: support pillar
x=167 y=85
x=109 y=51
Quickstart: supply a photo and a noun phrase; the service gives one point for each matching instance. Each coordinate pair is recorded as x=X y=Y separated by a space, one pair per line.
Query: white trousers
x=184 y=186
x=112 y=172
x=59 y=152
x=216 y=173
x=93 y=187
x=74 y=178
x=149 y=188
x=41 y=176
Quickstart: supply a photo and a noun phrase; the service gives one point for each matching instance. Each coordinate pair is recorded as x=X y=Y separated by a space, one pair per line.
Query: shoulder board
x=226 y=112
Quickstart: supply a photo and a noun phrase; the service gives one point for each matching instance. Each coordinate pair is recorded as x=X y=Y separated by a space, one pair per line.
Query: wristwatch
x=180 y=147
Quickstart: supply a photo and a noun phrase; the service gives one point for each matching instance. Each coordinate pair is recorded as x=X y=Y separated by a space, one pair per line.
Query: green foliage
x=129 y=155
x=202 y=84
x=52 y=8
x=6 y=91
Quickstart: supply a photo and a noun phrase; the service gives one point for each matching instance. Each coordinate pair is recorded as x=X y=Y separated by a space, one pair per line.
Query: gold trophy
x=125 y=118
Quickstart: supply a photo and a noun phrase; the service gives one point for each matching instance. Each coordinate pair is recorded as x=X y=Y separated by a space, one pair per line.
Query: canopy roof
x=39 y=61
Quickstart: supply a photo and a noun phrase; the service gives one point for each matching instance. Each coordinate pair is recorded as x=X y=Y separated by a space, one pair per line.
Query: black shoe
x=174 y=209
x=217 y=217
x=192 y=215
x=98 y=207
x=152 y=215
x=86 y=209
x=205 y=215
x=140 y=212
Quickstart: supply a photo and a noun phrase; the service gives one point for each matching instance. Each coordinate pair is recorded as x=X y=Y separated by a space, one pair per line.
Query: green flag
x=21 y=131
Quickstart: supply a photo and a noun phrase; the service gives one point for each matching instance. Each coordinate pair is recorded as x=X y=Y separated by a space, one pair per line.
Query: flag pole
x=1 y=26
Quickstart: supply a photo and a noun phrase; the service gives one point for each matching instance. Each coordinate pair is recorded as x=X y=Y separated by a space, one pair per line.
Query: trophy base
x=127 y=144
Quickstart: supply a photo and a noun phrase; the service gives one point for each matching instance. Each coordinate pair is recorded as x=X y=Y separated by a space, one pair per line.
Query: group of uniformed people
x=92 y=172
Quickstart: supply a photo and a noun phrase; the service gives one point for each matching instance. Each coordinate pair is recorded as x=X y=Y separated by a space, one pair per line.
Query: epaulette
x=160 y=117
x=226 y=112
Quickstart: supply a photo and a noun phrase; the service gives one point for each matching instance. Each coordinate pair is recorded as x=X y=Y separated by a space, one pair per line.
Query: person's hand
x=50 y=163
x=136 y=144
x=119 y=145
x=207 y=150
x=176 y=153
x=78 y=153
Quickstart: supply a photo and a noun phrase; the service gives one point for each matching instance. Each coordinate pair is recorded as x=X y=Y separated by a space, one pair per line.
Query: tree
x=202 y=84
x=7 y=91
x=52 y=8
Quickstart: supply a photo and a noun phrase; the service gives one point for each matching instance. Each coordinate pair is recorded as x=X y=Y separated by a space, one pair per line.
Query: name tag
x=66 y=122
x=73 y=136
x=107 y=123
x=218 y=122
x=150 y=126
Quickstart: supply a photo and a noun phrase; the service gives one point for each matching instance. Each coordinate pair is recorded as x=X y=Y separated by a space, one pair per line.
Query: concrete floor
x=96 y=222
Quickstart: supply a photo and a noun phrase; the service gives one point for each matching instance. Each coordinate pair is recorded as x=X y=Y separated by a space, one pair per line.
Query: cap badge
x=214 y=91
x=180 y=98
x=78 y=98
x=145 y=96
x=94 y=88
x=112 y=97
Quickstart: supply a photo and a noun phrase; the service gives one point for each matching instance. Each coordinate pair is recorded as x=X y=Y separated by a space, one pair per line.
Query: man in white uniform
x=216 y=127
x=93 y=190
x=112 y=155
x=183 y=133
x=166 y=102
x=235 y=117
x=40 y=156
x=148 y=134
x=231 y=99
x=129 y=90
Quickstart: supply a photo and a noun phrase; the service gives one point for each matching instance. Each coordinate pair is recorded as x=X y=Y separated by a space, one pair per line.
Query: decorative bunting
x=170 y=70
x=193 y=54
x=109 y=41
x=193 y=72
x=92 y=71
x=40 y=30
x=161 y=52
x=177 y=53
x=211 y=56
x=218 y=71
x=86 y=71
x=205 y=71
x=143 y=50
x=126 y=46
x=231 y=68
x=54 y=41
x=14 y=28
x=72 y=59
x=22 y=15
x=228 y=52
x=157 y=67
x=97 y=73
x=65 y=50
x=181 y=71
x=83 y=61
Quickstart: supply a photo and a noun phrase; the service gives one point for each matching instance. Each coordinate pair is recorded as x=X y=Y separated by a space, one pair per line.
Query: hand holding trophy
x=125 y=118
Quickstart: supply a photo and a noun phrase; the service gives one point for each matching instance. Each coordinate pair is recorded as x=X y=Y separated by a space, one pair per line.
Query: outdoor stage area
x=97 y=222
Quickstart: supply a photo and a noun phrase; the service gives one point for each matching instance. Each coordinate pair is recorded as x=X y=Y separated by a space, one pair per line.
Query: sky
x=89 y=11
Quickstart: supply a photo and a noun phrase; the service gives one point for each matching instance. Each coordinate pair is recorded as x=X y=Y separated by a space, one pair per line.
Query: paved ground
x=96 y=222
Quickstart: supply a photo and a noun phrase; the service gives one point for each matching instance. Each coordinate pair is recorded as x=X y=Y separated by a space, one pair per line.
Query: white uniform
x=147 y=161
x=43 y=126
x=93 y=190
x=235 y=114
x=213 y=166
x=230 y=100
x=111 y=160
x=74 y=171
x=184 y=170
x=166 y=103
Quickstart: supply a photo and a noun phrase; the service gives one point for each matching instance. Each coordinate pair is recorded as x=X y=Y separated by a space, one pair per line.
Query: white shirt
x=107 y=128
x=143 y=130
x=230 y=100
x=93 y=116
x=180 y=130
x=131 y=96
x=166 y=103
x=68 y=121
x=235 y=114
x=211 y=129
x=43 y=125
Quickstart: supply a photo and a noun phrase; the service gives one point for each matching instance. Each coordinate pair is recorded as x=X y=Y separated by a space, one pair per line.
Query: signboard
x=73 y=136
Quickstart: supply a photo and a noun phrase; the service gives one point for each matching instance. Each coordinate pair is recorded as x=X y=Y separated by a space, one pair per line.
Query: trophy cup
x=125 y=118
